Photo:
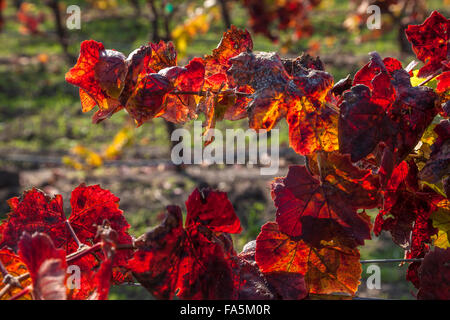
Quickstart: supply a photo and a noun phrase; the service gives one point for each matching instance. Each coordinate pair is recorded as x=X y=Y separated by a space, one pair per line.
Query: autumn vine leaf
x=181 y=108
x=46 y=264
x=193 y=262
x=430 y=42
x=307 y=206
x=100 y=75
x=329 y=268
x=255 y=285
x=15 y=267
x=265 y=73
x=388 y=101
x=434 y=276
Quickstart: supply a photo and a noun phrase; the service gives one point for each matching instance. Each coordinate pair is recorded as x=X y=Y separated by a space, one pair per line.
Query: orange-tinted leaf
x=312 y=126
x=147 y=100
x=233 y=42
x=255 y=285
x=87 y=103
x=15 y=267
x=360 y=184
x=180 y=108
x=164 y=55
x=331 y=268
x=100 y=74
x=265 y=73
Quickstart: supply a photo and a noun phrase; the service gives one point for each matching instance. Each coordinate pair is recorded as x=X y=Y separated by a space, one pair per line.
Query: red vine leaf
x=401 y=122
x=265 y=73
x=46 y=264
x=434 y=276
x=147 y=99
x=91 y=205
x=307 y=207
x=100 y=74
x=212 y=209
x=443 y=82
x=312 y=127
x=193 y=262
x=181 y=108
x=430 y=42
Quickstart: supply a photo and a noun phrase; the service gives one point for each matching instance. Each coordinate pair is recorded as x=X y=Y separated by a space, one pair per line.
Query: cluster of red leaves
x=46 y=242
x=281 y=15
x=198 y=261
x=359 y=137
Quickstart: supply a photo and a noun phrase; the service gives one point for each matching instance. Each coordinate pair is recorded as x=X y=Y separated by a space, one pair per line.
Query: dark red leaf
x=195 y=262
x=307 y=207
x=430 y=42
x=212 y=209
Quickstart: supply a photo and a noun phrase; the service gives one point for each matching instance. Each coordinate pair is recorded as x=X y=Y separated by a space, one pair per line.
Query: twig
x=21 y=293
x=5 y=290
x=411 y=65
x=3 y=270
x=84 y=251
x=73 y=234
x=225 y=13
x=204 y=93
